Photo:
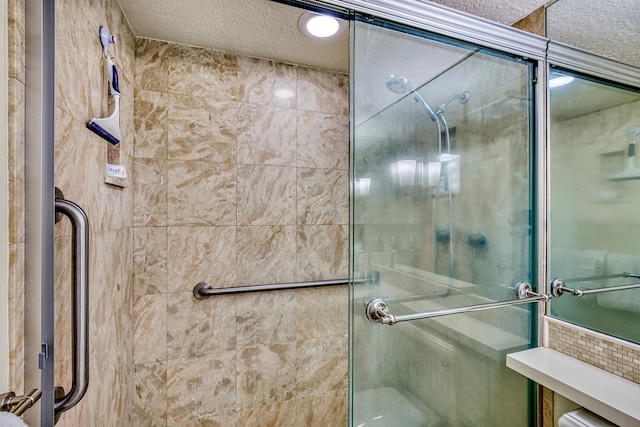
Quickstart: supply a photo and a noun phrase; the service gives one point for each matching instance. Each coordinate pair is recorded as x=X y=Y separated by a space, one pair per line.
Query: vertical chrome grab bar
x=80 y=357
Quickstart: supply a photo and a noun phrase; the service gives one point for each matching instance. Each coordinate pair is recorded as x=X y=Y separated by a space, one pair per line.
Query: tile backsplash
x=610 y=354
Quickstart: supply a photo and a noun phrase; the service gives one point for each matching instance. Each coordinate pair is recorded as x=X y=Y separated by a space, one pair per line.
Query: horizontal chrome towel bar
x=601 y=277
x=558 y=287
x=378 y=310
x=204 y=290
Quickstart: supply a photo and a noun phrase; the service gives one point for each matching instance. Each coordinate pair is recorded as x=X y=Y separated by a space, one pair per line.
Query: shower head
x=400 y=85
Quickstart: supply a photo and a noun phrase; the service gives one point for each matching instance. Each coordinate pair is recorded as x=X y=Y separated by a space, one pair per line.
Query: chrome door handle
x=80 y=356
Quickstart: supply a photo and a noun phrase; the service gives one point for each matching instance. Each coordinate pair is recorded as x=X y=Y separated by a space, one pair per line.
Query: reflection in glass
x=595 y=189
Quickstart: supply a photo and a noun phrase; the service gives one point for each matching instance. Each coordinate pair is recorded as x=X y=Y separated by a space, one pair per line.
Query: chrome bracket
x=199 y=287
x=525 y=290
x=58 y=195
x=558 y=288
x=9 y=402
x=378 y=312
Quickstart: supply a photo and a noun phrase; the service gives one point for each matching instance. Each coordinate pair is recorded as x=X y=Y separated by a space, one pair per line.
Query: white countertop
x=605 y=394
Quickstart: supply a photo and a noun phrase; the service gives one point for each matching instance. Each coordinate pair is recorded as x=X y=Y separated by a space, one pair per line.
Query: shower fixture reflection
x=448 y=163
x=401 y=86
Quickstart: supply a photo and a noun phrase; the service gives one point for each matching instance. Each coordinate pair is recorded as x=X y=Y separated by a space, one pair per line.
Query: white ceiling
x=265 y=29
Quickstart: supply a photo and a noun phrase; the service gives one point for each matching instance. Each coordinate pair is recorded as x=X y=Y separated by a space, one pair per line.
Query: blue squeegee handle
x=112 y=74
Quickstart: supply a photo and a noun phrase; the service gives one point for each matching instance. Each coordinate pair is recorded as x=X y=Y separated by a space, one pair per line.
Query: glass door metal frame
x=581 y=61
x=39 y=201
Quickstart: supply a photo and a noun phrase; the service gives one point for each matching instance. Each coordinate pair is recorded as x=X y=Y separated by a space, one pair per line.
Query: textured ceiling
x=265 y=29
x=609 y=29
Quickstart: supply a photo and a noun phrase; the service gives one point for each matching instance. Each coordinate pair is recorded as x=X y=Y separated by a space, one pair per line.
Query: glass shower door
x=442 y=214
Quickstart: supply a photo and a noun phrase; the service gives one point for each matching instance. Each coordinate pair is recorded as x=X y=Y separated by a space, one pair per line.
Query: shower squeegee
x=109 y=127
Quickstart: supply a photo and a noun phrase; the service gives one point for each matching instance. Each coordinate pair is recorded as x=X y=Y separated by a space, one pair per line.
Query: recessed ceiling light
x=560 y=81
x=319 y=26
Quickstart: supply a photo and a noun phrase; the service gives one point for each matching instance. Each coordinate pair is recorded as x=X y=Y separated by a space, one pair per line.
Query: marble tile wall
x=241 y=178
x=16 y=92
x=81 y=156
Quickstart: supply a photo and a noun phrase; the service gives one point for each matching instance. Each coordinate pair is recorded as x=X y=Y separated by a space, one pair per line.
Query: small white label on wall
x=117 y=171
x=116 y=175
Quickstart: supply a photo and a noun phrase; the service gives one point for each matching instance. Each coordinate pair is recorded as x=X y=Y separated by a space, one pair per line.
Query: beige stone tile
x=266 y=195
x=150 y=328
x=202 y=129
x=82 y=95
x=267 y=82
x=79 y=167
x=199 y=327
x=258 y=323
x=16 y=299
x=111 y=274
x=122 y=406
x=281 y=414
x=63 y=310
x=327 y=410
x=150 y=192
x=321 y=366
x=115 y=203
x=150 y=260
x=151 y=65
x=323 y=141
x=265 y=374
x=203 y=73
x=108 y=351
x=150 y=397
x=151 y=138
x=323 y=91
x=127 y=109
x=16 y=39
x=200 y=254
x=217 y=418
x=201 y=193
x=322 y=196
x=311 y=322
x=200 y=385
x=16 y=160
x=322 y=252
x=266 y=135
x=266 y=254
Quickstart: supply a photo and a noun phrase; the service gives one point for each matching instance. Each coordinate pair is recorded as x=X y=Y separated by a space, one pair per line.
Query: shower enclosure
x=442 y=210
